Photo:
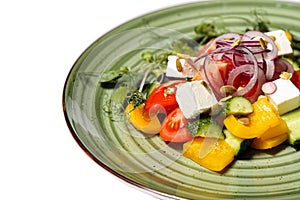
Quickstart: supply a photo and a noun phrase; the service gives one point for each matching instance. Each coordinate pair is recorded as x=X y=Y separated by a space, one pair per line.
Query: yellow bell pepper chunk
x=141 y=120
x=259 y=143
x=280 y=129
x=211 y=153
x=264 y=117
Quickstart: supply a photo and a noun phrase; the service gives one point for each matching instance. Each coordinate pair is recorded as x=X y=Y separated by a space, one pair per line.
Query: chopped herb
x=184 y=47
x=112 y=76
x=157 y=58
x=260 y=23
x=147 y=56
x=206 y=30
x=214 y=27
x=137 y=98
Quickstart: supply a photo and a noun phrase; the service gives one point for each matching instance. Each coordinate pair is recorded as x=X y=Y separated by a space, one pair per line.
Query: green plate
x=148 y=162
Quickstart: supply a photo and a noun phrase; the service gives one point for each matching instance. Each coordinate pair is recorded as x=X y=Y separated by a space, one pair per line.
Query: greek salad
x=239 y=91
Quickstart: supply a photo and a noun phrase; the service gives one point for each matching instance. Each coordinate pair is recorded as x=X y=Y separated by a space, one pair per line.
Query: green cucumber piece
x=238 y=106
x=292 y=119
x=205 y=127
x=238 y=144
x=152 y=86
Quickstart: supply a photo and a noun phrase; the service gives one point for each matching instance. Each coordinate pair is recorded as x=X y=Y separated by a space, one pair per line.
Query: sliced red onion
x=260 y=59
x=260 y=81
x=224 y=43
x=250 y=43
x=236 y=72
x=249 y=57
x=227 y=37
x=270 y=69
x=269 y=88
x=280 y=66
x=255 y=35
x=289 y=66
x=227 y=57
x=213 y=76
x=253 y=79
x=240 y=59
x=218 y=56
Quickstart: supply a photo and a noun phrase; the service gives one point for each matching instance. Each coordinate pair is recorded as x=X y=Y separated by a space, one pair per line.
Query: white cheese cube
x=281 y=41
x=172 y=68
x=286 y=96
x=187 y=69
x=194 y=97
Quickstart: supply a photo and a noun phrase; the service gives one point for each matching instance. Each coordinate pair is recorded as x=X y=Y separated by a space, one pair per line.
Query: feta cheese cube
x=194 y=97
x=187 y=69
x=281 y=41
x=286 y=97
x=172 y=70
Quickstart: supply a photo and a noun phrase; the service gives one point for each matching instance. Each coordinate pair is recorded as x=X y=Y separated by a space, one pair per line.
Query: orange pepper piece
x=259 y=143
x=272 y=137
x=264 y=117
x=211 y=153
x=280 y=129
x=141 y=119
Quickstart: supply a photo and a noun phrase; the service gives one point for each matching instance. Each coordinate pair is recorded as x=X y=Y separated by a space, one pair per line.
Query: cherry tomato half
x=225 y=68
x=174 y=127
x=213 y=47
x=163 y=98
x=296 y=79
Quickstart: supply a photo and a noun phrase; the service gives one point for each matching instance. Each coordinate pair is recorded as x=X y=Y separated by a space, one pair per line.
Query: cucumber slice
x=238 y=106
x=292 y=119
x=205 y=127
x=238 y=144
x=152 y=86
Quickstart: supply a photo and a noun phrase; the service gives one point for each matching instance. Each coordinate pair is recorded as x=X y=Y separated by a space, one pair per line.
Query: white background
x=40 y=41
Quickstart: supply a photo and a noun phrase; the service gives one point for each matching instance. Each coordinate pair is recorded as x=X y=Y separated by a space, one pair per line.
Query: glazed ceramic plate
x=148 y=162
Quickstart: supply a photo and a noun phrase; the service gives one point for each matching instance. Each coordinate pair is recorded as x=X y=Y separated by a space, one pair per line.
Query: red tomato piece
x=224 y=67
x=296 y=79
x=163 y=98
x=213 y=47
x=174 y=127
x=242 y=81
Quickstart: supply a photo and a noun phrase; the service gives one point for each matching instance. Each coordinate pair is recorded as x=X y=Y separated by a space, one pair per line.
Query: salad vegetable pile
x=239 y=91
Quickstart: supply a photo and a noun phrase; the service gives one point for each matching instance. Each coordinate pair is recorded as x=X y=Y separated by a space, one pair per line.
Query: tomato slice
x=296 y=79
x=174 y=127
x=163 y=98
x=213 y=47
x=224 y=66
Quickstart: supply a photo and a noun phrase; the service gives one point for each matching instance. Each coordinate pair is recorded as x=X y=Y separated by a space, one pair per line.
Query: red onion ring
x=250 y=35
x=213 y=77
x=270 y=69
x=269 y=55
x=230 y=37
x=234 y=74
x=260 y=81
x=288 y=66
x=249 y=57
x=253 y=79
x=269 y=88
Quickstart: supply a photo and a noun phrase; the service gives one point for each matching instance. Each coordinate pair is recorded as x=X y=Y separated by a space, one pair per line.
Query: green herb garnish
x=137 y=98
x=112 y=76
